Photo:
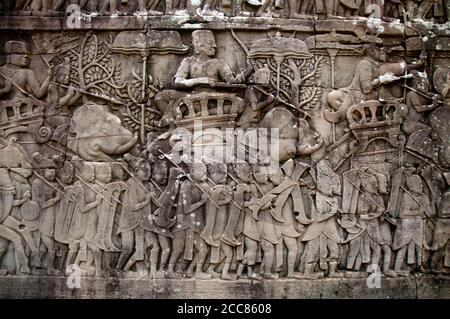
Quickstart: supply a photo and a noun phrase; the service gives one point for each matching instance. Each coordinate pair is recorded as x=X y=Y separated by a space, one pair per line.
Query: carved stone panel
x=225 y=140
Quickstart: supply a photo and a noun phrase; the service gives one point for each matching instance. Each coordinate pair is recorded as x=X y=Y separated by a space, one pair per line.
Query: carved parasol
x=144 y=43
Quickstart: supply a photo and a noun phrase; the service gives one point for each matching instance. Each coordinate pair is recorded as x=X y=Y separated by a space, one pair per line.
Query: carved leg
x=170 y=7
x=164 y=243
x=202 y=252
x=411 y=253
x=17 y=226
x=127 y=248
x=16 y=240
x=262 y=9
x=228 y=234
x=228 y=252
x=206 y=234
x=269 y=256
x=250 y=257
x=419 y=257
x=354 y=247
x=93 y=5
x=49 y=243
x=97 y=257
x=291 y=245
x=311 y=257
x=334 y=256
x=387 y=257
x=73 y=250
x=376 y=253
x=140 y=246
x=177 y=250
x=240 y=270
x=399 y=258
x=152 y=242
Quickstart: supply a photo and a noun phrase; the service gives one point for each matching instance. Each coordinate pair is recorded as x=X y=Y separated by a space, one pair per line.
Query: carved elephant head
x=97 y=135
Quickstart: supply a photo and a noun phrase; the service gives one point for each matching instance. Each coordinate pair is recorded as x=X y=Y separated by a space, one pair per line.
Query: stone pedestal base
x=352 y=288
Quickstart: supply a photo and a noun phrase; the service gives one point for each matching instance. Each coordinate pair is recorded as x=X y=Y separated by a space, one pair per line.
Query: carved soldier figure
x=216 y=219
x=257 y=103
x=410 y=230
x=138 y=232
x=66 y=206
x=440 y=261
x=84 y=225
x=45 y=192
x=160 y=178
x=269 y=236
x=419 y=101
x=367 y=246
x=60 y=98
x=190 y=223
x=13 y=162
x=241 y=198
x=368 y=82
x=18 y=79
x=200 y=69
x=322 y=236
x=247 y=228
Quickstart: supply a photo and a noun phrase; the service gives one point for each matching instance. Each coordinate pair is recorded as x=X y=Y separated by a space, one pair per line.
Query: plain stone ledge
x=413 y=287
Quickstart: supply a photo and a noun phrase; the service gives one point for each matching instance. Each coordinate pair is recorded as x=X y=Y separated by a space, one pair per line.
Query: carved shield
x=106 y=219
x=65 y=214
x=30 y=210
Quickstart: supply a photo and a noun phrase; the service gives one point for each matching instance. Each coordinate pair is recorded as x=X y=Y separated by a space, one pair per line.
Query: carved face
x=369 y=184
x=198 y=172
x=219 y=174
x=63 y=73
x=244 y=172
x=143 y=174
x=160 y=176
x=277 y=177
x=19 y=59
x=104 y=173
x=88 y=173
x=309 y=140
x=260 y=174
x=204 y=44
x=49 y=174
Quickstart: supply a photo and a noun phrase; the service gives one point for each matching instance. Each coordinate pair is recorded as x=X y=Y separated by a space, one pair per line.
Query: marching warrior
x=84 y=226
x=216 y=218
x=367 y=245
x=137 y=228
x=47 y=197
x=190 y=223
x=322 y=235
x=409 y=233
x=266 y=223
x=247 y=229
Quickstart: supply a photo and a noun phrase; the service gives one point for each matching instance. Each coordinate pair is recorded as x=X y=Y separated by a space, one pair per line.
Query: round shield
x=30 y=210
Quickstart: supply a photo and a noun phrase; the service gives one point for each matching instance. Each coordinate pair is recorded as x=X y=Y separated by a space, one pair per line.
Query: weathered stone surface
x=425 y=287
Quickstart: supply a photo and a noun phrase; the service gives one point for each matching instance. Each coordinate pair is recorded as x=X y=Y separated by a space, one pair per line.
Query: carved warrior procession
x=322 y=154
x=293 y=9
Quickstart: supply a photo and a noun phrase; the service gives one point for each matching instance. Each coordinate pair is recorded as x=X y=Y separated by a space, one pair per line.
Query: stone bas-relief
x=293 y=9
x=99 y=132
